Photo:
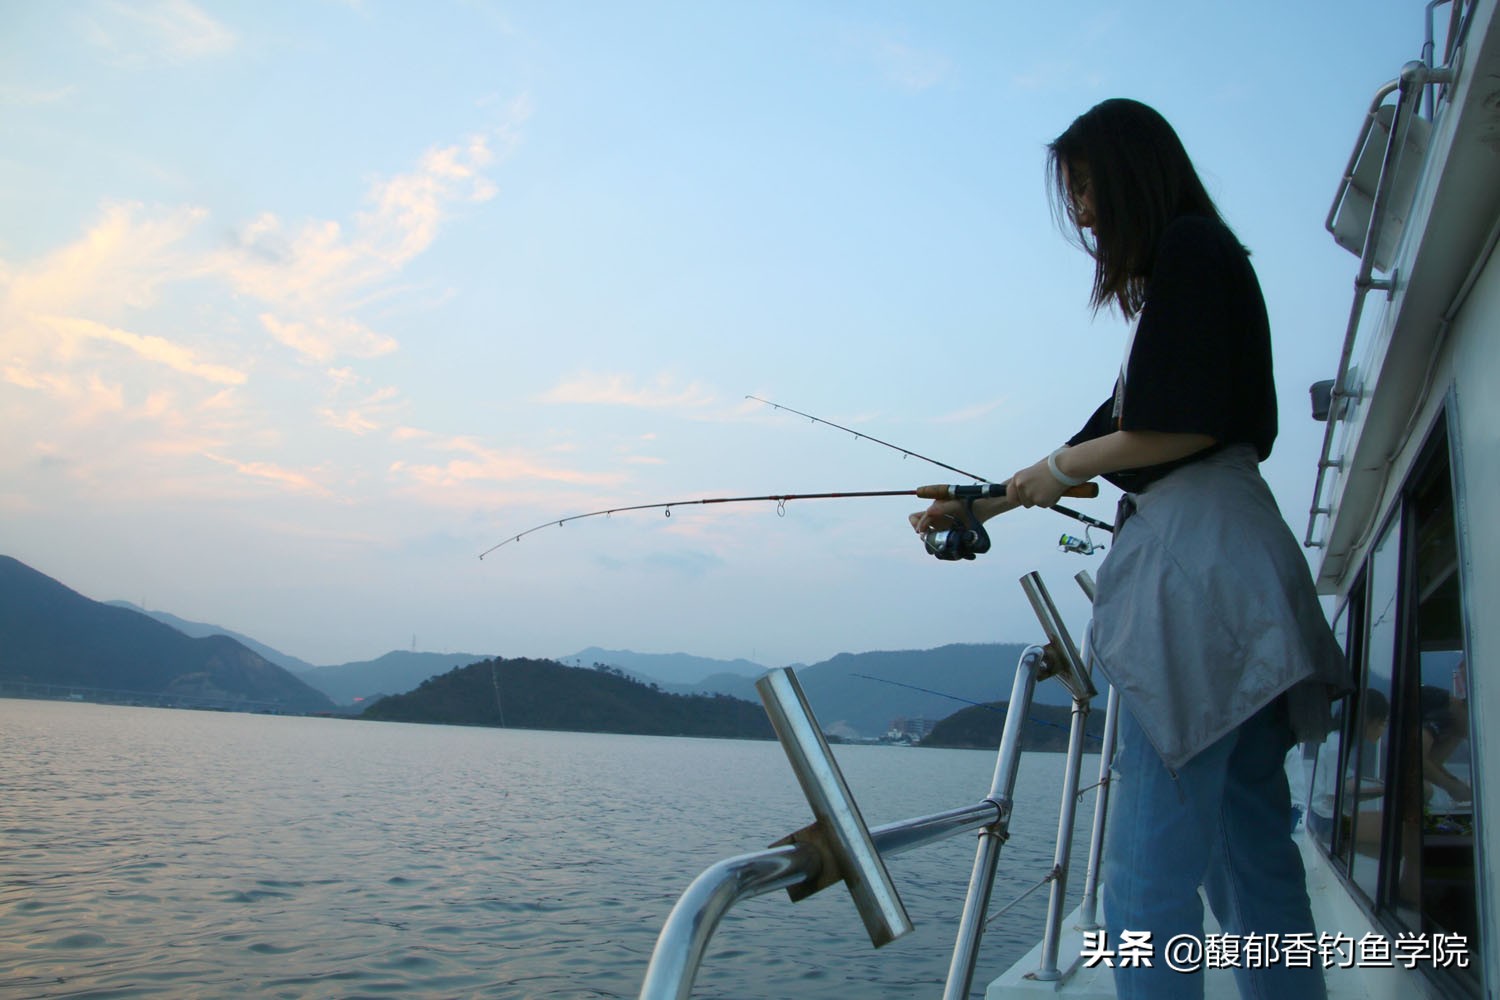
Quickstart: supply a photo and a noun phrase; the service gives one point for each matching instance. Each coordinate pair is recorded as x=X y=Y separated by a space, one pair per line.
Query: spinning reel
x=959 y=541
x=1085 y=546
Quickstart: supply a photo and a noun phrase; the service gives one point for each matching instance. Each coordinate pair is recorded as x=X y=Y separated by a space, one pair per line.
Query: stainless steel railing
x=1076 y=677
x=971 y=920
x=1088 y=909
x=1415 y=77
x=838 y=846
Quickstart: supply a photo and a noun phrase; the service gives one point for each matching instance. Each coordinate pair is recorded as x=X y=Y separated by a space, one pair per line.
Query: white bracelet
x=1058 y=473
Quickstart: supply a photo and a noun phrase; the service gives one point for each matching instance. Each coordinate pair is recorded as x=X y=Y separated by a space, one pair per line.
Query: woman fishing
x=1205 y=617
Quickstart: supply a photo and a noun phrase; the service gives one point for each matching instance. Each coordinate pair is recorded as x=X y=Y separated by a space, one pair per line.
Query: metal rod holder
x=1063 y=659
x=839 y=846
x=840 y=826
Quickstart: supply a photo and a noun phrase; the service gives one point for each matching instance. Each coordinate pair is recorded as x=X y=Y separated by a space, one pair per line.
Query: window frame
x=1382 y=907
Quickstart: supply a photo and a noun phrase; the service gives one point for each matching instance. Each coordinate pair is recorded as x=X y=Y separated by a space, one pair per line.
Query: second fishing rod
x=1084 y=546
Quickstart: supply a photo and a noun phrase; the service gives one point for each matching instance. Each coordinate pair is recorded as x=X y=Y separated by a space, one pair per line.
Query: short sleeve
x=1100 y=424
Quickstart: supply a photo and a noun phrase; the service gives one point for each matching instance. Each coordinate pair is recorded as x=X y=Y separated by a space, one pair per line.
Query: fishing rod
x=958 y=543
x=1068 y=543
x=876 y=440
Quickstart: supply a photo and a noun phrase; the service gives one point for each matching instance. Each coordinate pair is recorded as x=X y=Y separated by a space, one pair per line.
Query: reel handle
x=941 y=491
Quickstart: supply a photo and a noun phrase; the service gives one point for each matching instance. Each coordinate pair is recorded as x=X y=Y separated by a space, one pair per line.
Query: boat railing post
x=1060 y=659
x=1066 y=813
x=1088 y=909
x=992 y=838
x=1074 y=673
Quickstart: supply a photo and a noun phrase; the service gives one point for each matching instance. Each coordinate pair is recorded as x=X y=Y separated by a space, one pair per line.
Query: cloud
x=363 y=415
x=899 y=62
x=296 y=482
x=481 y=463
x=317 y=265
x=911 y=68
x=360 y=418
x=150 y=348
x=86 y=398
x=969 y=413
x=138 y=35
x=352 y=421
x=620 y=390
x=26 y=97
x=409 y=208
x=324 y=338
x=121 y=262
x=1062 y=75
x=85 y=331
x=53 y=384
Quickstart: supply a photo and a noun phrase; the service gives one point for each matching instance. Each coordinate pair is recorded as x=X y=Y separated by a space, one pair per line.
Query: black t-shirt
x=1201 y=361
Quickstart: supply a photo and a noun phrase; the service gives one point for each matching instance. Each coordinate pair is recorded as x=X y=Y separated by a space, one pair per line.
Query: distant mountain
x=200 y=629
x=860 y=694
x=734 y=685
x=394 y=673
x=665 y=668
x=853 y=694
x=53 y=636
x=543 y=694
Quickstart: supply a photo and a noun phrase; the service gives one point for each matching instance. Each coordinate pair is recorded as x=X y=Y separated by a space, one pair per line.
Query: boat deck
x=1333 y=912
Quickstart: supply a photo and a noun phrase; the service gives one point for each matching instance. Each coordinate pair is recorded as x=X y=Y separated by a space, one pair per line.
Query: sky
x=303 y=306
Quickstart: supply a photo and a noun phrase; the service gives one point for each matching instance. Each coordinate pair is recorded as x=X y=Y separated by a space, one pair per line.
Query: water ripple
x=170 y=854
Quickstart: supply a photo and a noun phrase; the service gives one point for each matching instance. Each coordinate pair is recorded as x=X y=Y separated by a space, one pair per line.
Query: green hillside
x=54 y=638
x=543 y=694
x=980 y=727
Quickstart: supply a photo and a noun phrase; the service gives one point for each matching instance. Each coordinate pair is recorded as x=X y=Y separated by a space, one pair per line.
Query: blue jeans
x=1222 y=822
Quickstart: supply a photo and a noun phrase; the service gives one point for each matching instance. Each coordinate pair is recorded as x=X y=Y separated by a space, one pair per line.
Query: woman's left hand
x=1035 y=486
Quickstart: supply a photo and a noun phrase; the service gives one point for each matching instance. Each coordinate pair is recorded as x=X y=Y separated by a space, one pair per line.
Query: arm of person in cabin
x=1436 y=774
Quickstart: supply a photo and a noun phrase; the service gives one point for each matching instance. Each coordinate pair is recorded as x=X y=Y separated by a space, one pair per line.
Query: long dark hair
x=1141 y=179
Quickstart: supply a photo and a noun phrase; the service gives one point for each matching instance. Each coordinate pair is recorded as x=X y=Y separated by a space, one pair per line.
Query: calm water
x=158 y=853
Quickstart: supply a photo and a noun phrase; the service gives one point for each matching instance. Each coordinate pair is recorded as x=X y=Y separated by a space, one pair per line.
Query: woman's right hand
x=946 y=514
x=941 y=516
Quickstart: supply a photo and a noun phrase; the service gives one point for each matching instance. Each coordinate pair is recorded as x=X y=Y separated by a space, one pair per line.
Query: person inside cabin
x=1205 y=616
x=1358 y=790
x=1445 y=725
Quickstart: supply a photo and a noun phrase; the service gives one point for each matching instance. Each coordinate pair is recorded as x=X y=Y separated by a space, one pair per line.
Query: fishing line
x=858 y=434
x=940 y=694
x=976 y=704
x=1091 y=522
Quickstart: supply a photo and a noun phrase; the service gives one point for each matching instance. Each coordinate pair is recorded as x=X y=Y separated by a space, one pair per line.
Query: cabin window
x=1432 y=886
x=1363 y=788
x=1344 y=750
x=1391 y=799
